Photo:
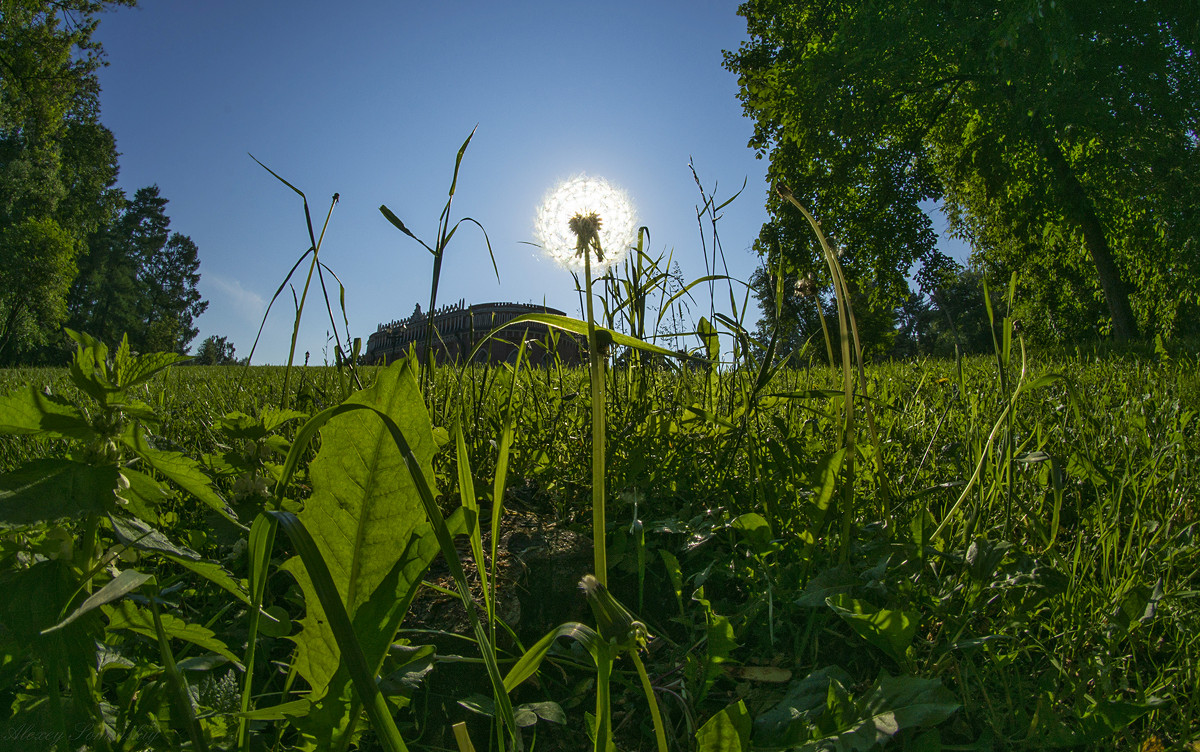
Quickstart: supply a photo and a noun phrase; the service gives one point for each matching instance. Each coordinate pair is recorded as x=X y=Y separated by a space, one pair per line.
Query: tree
x=215 y=351
x=36 y=267
x=139 y=278
x=57 y=162
x=1063 y=131
x=959 y=314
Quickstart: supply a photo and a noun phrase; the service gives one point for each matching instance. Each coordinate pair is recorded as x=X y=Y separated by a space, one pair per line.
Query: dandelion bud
x=614 y=622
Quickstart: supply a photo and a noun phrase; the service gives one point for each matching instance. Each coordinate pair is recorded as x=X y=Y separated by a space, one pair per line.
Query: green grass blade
x=116 y=588
x=466 y=491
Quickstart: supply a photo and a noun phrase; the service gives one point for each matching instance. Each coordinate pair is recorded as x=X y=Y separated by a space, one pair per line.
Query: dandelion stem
x=597 y=377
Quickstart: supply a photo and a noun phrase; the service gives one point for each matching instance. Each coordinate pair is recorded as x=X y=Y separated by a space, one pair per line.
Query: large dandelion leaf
x=363 y=511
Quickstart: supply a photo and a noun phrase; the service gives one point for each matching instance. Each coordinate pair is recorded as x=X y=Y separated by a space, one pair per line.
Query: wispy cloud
x=247 y=304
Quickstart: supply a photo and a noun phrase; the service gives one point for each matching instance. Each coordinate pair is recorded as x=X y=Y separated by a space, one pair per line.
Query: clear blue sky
x=372 y=100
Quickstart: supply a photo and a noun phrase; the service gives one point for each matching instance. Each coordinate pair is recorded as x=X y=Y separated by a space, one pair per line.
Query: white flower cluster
x=580 y=196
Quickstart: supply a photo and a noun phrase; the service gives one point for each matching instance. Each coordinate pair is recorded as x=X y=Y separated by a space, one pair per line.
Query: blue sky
x=372 y=99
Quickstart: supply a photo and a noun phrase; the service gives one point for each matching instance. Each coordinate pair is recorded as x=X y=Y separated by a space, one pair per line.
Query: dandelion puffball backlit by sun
x=583 y=196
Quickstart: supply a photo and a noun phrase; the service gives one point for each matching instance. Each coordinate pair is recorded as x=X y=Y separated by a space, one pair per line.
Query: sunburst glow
x=582 y=196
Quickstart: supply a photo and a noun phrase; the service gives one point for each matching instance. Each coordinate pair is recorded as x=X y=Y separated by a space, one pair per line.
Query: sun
x=586 y=202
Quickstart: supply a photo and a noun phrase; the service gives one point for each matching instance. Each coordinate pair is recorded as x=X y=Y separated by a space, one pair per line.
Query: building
x=458 y=328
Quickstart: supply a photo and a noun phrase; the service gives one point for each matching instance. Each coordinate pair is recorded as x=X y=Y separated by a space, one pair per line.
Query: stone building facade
x=458 y=328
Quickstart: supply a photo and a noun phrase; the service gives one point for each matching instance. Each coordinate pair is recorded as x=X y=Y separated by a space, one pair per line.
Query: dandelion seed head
x=582 y=205
x=589 y=585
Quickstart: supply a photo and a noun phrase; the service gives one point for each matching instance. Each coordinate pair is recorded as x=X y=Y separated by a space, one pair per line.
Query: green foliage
x=1061 y=138
x=73 y=249
x=791 y=310
x=727 y=731
x=962 y=613
x=37 y=259
x=363 y=515
x=820 y=713
x=216 y=351
x=57 y=164
x=139 y=278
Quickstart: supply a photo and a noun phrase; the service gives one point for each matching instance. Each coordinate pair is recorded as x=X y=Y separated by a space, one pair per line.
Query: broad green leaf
x=548 y=711
x=362 y=514
x=378 y=618
x=757 y=532
x=126 y=615
x=180 y=469
x=892 y=705
x=697 y=413
x=528 y=663
x=787 y=723
x=293 y=709
x=116 y=588
x=34 y=599
x=418 y=473
x=1100 y=722
x=720 y=642
x=674 y=574
x=890 y=631
x=411 y=664
x=272 y=418
x=216 y=574
x=727 y=731
x=143 y=496
x=50 y=489
x=825 y=483
x=708 y=336
x=29 y=411
x=142 y=368
x=327 y=721
x=1079 y=465
x=239 y=425
x=89 y=367
x=137 y=534
x=203 y=663
x=479 y=704
x=276 y=623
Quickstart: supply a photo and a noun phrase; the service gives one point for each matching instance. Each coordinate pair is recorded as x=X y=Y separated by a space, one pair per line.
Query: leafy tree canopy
x=215 y=351
x=1060 y=134
x=58 y=164
x=139 y=278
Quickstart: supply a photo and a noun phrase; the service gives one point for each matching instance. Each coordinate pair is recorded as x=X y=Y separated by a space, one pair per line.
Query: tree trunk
x=1080 y=210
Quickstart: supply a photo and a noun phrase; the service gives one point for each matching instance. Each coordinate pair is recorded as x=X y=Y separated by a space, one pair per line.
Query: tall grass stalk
x=849 y=328
x=445 y=231
x=315 y=249
x=845 y=320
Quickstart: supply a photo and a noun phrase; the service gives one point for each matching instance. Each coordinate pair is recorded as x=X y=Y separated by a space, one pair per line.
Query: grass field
x=988 y=555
